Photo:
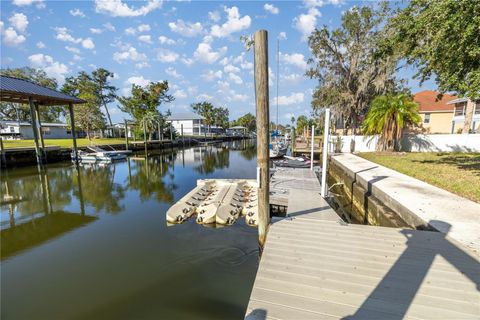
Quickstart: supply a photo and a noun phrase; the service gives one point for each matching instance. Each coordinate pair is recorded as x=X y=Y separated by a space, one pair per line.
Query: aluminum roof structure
x=185 y=116
x=20 y=91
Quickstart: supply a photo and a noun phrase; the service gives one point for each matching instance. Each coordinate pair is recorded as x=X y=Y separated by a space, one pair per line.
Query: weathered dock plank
x=314 y=266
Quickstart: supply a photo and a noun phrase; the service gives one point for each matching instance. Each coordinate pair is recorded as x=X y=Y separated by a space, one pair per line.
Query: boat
x=278 y=150
x=188 y=205
x=99 y=154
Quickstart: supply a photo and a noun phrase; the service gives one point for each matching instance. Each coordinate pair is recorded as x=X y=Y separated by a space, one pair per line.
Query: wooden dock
x=315 y=266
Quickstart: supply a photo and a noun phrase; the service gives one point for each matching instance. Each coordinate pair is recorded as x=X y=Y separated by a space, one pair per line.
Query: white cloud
x=19 y=21
x=234 y=23
x=230 y=68
x=40 y=45
x=143 y=27
x=237 y=97
x=142 y=65
x=167 y=56
x=145 y=38
x=116 y=8
x=72 y=49
x=129 y=53
x=211 y=75
x=64 y=35
x=294 y=98
x=293 y=78
x=282 y=36
x=77 y=13
x=296 y=59
x=305 y=23
x=76 y=57
x=165 y=40
x=130 y=31
x=109 y=26
x=135 y=80
x=180 y=94
x=214 y=16
x=186 y=29
x=173 y=73
x=88 y=43
x=96 y=30
x=271 y=8
x=187 y=61
x=53 y=68
x=204 y=53
x=235 y=78
x=22 y=3
x=204 y=97
x=12 y=38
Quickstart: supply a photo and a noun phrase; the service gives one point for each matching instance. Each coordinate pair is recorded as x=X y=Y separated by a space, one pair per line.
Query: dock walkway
x=315 y=266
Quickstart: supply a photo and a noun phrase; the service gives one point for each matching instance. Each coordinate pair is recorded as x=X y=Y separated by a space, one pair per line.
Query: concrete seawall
x=376 y=195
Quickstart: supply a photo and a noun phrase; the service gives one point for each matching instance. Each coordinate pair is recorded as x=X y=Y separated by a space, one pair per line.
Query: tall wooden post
x=126 y=135
x=263 y=121
x=325 y=153
x=35 y=131
x=74 y=134
x=3 y=159
x=159 y=131
x=313 y=143
x=145 y=137
x=39 y=129
x=171 y=133
x=183 y=138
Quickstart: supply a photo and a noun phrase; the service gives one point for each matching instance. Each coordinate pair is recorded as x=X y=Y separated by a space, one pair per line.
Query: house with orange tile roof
x=436 y=113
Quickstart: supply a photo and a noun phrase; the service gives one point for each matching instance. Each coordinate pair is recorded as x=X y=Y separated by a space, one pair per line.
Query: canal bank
x=16 y=157
x=375 y=195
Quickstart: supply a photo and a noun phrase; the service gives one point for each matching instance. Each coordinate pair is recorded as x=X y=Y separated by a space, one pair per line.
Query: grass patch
x=458 y=173
x=63 y=143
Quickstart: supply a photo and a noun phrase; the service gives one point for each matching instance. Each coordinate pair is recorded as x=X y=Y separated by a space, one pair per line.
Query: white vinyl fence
x=415 y=143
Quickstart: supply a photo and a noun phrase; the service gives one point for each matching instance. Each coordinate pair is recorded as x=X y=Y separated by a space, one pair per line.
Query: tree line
x=95 y=88
x=357 y=62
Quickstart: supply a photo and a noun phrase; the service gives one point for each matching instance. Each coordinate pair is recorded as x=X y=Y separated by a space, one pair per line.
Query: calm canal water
x=94 y=244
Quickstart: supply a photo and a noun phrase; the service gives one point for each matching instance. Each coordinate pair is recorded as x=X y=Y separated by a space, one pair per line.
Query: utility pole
x=263 y=123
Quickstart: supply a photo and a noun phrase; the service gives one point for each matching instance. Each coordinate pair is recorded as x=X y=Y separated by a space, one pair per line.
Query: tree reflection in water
x=213 y=158
x=148 y=178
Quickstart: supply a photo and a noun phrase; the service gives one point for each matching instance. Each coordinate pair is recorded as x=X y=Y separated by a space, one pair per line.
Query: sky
x=193 y=44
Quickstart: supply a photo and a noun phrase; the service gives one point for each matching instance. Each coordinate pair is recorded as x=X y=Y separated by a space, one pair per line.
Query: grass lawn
x=458 y=173
x=65 y=143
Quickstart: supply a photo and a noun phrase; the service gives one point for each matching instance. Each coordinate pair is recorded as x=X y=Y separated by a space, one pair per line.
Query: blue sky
x=192 y=44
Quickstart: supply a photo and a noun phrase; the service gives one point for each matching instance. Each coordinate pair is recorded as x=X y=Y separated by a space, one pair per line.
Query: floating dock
x=315 y=266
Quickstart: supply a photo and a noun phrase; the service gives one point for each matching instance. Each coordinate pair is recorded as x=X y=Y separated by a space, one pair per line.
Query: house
x=23 y=130
x=460 y=109
x=436 y=113
x=192 y=123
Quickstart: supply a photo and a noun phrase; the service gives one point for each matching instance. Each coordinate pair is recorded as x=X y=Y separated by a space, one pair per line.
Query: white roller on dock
x=220 y=201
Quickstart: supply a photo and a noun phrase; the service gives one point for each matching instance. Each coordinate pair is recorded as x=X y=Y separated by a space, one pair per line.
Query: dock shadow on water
x=92 y=242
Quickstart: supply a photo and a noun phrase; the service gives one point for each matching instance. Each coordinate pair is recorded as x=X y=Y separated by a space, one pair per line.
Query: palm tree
x=150 y=119
x=388 y=116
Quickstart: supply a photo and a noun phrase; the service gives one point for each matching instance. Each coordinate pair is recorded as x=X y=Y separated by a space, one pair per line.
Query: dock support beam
x=325 y=153
x=263 y=123
x=35 y=131
x=126 y=135
x=311 y=152
x=145 y=138
x=74 y=134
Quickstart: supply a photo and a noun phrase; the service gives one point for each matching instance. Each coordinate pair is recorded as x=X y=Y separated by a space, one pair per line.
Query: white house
x=23 y=130
x=192 y=123
x=459 y=114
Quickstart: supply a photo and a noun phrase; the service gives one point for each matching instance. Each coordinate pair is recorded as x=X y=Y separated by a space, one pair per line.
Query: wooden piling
x=39 y=129
x=325 y=153
x=126 y=135
x=35 y=131
x=145 y=138
x=263 y=121
x=3 y=159
x=74 y=134
x=183 y=138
